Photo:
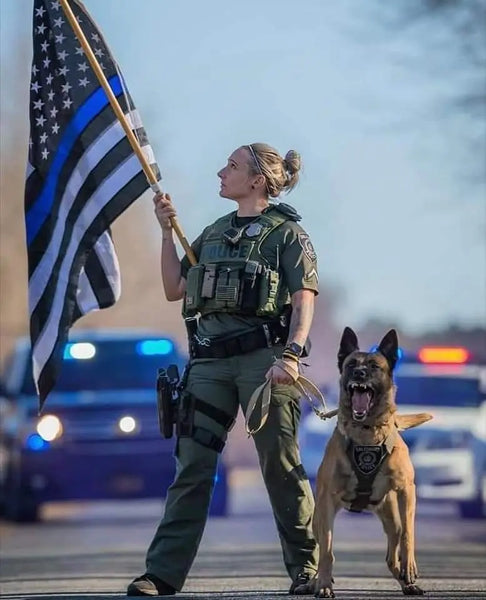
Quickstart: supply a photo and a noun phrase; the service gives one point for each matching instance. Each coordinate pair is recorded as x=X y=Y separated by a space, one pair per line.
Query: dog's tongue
x=361 y=401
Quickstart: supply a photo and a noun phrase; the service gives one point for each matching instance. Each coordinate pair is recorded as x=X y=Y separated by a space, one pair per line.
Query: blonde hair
x=281 y=174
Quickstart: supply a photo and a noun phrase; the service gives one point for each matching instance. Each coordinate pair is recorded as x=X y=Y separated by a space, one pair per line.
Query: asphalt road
x=91 y=551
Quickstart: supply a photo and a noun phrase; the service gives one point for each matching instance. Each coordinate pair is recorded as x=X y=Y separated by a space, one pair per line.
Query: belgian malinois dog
x=366 y=465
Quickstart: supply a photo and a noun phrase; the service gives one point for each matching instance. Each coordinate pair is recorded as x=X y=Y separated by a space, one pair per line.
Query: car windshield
x=438 y=391
x=110 y=365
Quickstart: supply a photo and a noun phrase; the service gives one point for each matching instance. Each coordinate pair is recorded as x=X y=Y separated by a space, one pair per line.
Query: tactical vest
x=233 y=275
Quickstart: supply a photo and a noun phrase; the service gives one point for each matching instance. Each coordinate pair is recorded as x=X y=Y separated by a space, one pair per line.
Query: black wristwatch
x=294 y=348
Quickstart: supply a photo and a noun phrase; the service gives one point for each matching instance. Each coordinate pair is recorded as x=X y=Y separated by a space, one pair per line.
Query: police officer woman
x=256 y=267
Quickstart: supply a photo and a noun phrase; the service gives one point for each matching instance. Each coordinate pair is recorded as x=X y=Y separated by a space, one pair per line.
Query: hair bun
x=292 y=162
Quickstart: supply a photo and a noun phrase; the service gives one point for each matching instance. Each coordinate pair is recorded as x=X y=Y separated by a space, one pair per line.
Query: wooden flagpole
x=121 y=117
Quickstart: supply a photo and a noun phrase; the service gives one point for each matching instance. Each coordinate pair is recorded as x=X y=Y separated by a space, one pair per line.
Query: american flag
x=81 y=175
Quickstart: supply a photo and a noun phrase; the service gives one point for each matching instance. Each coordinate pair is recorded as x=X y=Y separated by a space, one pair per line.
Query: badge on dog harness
x=368 y=458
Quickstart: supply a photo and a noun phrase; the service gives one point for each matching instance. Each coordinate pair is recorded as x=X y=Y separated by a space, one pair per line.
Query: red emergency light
x=443 y=355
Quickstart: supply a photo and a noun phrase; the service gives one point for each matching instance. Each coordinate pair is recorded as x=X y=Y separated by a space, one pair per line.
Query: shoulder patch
x=307 y=246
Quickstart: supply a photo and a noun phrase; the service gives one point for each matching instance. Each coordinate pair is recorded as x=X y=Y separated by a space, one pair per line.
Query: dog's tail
x=413 y=420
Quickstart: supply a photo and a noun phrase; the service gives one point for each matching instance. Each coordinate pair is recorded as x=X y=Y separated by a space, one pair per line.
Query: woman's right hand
x=164 y=210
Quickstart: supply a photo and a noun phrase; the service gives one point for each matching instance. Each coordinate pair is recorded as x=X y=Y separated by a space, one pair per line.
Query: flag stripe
x=149 y=155
x=29 y=170
x=86 y=300
x=96 y=128
x=110 y=269
x=43 y=368
x=94 y=205
x=79 y=174
x=93 y=129
x=42 y=206
x=102 y=265
x=33 y=185
x=46 y=375
x=100 y=173
x=105 y=176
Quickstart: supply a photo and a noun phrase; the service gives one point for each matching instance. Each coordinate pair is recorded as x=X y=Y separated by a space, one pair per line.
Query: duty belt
x=263 y=336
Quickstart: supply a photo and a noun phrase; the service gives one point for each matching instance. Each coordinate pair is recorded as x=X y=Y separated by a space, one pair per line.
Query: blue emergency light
x=154 y=347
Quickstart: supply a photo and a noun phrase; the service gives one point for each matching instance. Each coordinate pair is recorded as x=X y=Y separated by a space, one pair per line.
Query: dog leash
x=261 y=396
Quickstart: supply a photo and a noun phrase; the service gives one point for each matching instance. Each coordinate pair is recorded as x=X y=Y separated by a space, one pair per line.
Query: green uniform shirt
x=290 y=248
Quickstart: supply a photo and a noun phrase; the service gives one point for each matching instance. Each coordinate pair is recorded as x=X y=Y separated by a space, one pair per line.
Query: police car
x=449 y=452
x=446 y=451
x=98 y=436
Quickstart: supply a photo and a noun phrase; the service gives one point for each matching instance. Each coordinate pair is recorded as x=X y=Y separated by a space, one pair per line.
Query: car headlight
x=49 y=428
x=127 y=424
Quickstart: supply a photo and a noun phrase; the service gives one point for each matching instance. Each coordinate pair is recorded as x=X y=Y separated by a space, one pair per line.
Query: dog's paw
x=306 y=589
x=325 y=591
x=412 y=590
x=408 y=576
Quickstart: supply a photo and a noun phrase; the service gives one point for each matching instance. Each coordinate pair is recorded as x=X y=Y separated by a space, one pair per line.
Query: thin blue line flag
x=82 y=174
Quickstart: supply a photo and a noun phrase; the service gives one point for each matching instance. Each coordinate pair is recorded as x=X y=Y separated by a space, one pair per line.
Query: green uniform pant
x=226 y=384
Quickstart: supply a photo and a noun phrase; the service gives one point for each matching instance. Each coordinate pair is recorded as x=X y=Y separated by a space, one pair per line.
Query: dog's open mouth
x=361 y=400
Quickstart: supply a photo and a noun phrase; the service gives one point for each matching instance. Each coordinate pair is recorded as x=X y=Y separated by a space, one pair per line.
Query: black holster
x=167 y=399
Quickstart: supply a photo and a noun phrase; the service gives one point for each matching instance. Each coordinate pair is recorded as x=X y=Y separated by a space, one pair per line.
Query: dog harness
x=366 y=462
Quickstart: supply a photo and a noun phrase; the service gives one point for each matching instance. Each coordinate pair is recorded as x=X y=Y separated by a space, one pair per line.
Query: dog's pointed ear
x=389 y=348
x=349 y=343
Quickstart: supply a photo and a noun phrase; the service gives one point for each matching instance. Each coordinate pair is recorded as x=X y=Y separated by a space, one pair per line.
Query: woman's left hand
x=283 y=372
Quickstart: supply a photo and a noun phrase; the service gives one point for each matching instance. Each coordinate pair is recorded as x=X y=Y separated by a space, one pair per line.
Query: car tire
x=19 y=506
x=471 y=509
x=21 y=509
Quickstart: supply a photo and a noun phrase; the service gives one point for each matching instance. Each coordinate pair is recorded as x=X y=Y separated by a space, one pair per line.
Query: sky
x=397 y=223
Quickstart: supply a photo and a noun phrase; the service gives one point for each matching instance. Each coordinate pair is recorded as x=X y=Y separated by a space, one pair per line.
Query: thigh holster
x=189 y=404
